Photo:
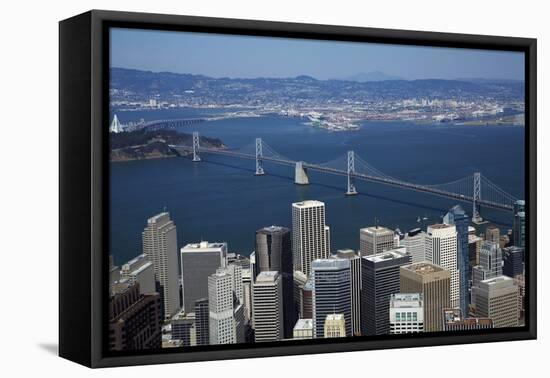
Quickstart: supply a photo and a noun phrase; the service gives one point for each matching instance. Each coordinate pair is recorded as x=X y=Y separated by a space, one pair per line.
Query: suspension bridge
x=475 y=189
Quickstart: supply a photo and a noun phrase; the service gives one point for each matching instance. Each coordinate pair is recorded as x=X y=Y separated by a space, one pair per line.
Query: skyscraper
x=406 y=313
x=441 y=249
x=183 y=328
x=492 y=234
x=331 y=292
x=335 y=326
x=519 y=225
x=490 y=263
x=202 y=321
x=300 y=280
x=274 y=253
x=135 y=319
x=416 y=245
x=141 y=270
x=380 y=280
x=221 y=308
x=160 y=246
x=458 y=217
x=198 y=262
x=513 y=261
x=267 y=307
x=434 y=283
x=375 y=239
x=355 y=281
x=310 y=235
x=497 y=298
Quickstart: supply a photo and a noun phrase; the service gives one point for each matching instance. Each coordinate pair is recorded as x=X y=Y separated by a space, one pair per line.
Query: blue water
x=220 y=199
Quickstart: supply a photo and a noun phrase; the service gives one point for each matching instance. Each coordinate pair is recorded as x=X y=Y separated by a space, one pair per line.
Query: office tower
x=458 y=218
x=519 y=280
x=492 y=233
x=474 y=247
x=406 y=313
x=434 y=283
x=519 y=229
x=331 y=292
x=490 y=263
x=160 y=246
x=376 y=239
x=335 y=326
x=184 y=329
x=453 y=320
x=253 y=266
x=237 y=259
x=497 y=298
x=239 y=322
x=310 y=236
x=355 y=282
x=202 y=321
x=267 y=299
x=303 y=329
x=141 y=270
x=513 y=261
x=380 y=280
x=300 y=279
x=198 y=262
x=235 y=271
x=135 y=320
x=274 y=253
x=416 y=245
x=221 y=308
x=441 y=249
x=306 y=310
x=247 y=294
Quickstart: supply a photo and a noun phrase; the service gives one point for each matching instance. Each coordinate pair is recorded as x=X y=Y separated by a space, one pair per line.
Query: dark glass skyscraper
x=513 y=261
x=274 y=253
x=519 y=224
x=458 y=217
x=201 y=321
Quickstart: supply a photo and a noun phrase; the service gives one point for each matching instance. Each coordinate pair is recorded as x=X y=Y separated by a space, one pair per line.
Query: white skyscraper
x=220 y=306
x=441 y=249
x=416 y=245
x=310 y=235
x=267 y=298
x=160 y=246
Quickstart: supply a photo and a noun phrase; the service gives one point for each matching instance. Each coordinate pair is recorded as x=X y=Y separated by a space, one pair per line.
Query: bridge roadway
x=362 y=176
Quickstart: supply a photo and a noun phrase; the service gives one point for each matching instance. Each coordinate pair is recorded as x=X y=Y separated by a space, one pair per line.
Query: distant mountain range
x=135 y=84
x=372 y=76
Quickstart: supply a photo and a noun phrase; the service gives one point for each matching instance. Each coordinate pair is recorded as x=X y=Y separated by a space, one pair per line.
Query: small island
x=146 y=144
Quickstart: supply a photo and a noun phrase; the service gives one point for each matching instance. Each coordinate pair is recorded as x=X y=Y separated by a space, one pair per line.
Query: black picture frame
x=84 y=184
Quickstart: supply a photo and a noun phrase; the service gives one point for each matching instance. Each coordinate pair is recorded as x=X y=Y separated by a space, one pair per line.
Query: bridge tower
x=259 y=156
x=351 y=174
x=476 y=217
x=196 y=146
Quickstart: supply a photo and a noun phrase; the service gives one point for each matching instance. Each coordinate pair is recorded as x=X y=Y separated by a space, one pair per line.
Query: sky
x=218 y=55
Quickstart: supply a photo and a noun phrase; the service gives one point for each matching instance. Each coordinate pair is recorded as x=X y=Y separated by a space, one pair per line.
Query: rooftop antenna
x=376 y=221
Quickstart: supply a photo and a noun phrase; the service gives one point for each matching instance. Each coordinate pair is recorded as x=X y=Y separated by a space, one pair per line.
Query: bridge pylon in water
x=196 y=146
x=351 y=174
x=259 y=155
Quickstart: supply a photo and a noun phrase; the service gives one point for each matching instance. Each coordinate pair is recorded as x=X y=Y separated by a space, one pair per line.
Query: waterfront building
x=406 y=313
x=453 y=320
x=135 y=320
x=497 y=298
x=303 y=329
x=434 y=283
x=160 y=246
x=355 y=282
x=140 y=269
x=458 y=218
x=512 y=261
x=441 y=250
x=335 y=326
x=310 y=234
x=415 y=243
x=274 y=253
x=267 y=307
x=375 y=239
x=202 y=321
x=198 y=262
x=331 y=292
x=380 y=280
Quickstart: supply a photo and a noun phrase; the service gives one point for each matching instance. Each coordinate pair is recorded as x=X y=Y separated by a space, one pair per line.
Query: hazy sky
x=247 y=57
